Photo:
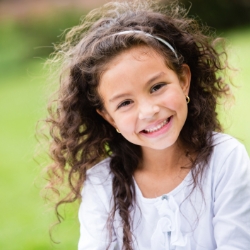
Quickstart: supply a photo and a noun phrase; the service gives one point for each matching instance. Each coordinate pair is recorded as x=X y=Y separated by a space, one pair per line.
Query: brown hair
x=81 y=137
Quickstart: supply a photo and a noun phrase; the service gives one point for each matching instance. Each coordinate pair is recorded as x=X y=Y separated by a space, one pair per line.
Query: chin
x=159 y=147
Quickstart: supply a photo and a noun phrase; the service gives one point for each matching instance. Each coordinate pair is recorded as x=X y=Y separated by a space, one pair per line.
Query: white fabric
x=217 y=219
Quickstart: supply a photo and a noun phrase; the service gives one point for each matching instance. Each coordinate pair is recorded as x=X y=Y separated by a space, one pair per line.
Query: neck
x=160 y=171
x=163 y=161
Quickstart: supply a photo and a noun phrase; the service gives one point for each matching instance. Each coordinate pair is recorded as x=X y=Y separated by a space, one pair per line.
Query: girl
x=135 y=130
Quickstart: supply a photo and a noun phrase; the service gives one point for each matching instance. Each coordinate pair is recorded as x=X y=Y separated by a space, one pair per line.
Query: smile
x=158 y=127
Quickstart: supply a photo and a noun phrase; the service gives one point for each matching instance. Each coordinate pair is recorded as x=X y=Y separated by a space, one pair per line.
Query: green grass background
x=24 y=218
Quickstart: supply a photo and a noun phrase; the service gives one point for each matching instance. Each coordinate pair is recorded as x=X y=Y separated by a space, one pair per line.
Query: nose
x=148 y=110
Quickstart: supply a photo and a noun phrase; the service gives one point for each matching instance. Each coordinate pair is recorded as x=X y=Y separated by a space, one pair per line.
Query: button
x=164 y=197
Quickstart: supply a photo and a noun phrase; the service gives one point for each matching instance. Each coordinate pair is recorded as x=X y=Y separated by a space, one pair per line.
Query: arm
x=93 y=217
x=232 y=202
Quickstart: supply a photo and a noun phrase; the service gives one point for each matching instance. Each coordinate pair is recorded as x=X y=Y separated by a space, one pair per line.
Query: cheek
x=175 y=101
x=125 y=122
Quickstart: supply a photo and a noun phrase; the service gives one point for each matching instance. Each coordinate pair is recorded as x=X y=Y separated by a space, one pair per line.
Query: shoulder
x=224 y=146
x=229 y=159
x=225 y=141
x=100 y=172
x=97 y=188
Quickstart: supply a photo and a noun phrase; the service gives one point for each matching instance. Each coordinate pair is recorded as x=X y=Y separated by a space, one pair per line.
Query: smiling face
x=144 y=98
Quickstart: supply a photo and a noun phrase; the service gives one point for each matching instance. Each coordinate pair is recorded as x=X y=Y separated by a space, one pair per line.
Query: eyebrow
x=152 y=79
x=155 y=77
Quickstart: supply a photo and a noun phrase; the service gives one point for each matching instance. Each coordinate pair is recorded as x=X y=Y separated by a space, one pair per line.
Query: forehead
x=139 y=58
x=139 y=53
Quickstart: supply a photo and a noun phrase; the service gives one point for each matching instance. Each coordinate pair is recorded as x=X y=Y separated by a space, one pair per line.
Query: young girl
x=135 y=130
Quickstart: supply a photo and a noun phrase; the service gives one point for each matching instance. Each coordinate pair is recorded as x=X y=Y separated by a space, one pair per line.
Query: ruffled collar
x=167 y=234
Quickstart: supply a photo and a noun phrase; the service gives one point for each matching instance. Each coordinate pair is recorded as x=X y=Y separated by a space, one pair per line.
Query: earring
x=118 y=131
x=187 y=99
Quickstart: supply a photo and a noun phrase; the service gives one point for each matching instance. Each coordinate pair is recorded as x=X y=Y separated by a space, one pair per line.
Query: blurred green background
x=27 y=32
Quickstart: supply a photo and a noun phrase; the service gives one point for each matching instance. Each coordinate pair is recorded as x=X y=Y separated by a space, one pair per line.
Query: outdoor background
x=27 y=31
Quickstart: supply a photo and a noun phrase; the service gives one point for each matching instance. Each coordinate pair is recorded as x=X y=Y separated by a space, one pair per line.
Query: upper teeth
x=157 y=127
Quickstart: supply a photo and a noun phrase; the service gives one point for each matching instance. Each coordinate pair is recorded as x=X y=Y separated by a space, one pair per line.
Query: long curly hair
x=81 y=137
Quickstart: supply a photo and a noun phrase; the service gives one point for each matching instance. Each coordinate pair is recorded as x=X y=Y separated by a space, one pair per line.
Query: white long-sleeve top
x=216 y=218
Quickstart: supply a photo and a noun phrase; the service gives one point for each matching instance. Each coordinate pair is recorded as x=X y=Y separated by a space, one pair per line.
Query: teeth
x=157 y=127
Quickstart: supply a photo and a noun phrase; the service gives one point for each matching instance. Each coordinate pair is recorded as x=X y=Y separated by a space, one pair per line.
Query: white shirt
x=217 y=219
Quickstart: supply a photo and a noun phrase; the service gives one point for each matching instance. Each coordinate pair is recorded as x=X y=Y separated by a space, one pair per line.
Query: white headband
x=149 y=35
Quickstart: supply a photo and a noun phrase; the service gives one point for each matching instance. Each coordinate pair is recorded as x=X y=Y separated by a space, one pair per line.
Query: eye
x=124 y=104
x=157 y=87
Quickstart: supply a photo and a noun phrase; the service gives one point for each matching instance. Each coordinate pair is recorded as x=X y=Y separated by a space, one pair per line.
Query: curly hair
x=81 y=137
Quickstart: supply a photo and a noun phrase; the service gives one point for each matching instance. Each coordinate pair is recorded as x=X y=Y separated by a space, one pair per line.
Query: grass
x=24 y=219
x=23 y=213
x=236 y=120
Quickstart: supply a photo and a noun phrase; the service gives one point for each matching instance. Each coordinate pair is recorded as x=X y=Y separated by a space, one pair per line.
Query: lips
x=158 y=127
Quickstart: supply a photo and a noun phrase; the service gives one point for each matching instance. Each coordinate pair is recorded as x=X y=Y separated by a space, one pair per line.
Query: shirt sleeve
x=232 y=202
x=93 y=217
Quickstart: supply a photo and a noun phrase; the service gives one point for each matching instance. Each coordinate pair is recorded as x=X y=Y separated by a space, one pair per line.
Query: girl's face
x=144 y=99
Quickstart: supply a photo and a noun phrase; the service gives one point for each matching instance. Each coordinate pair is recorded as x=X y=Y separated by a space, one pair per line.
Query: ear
x=106 y=116
x=185 y=79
